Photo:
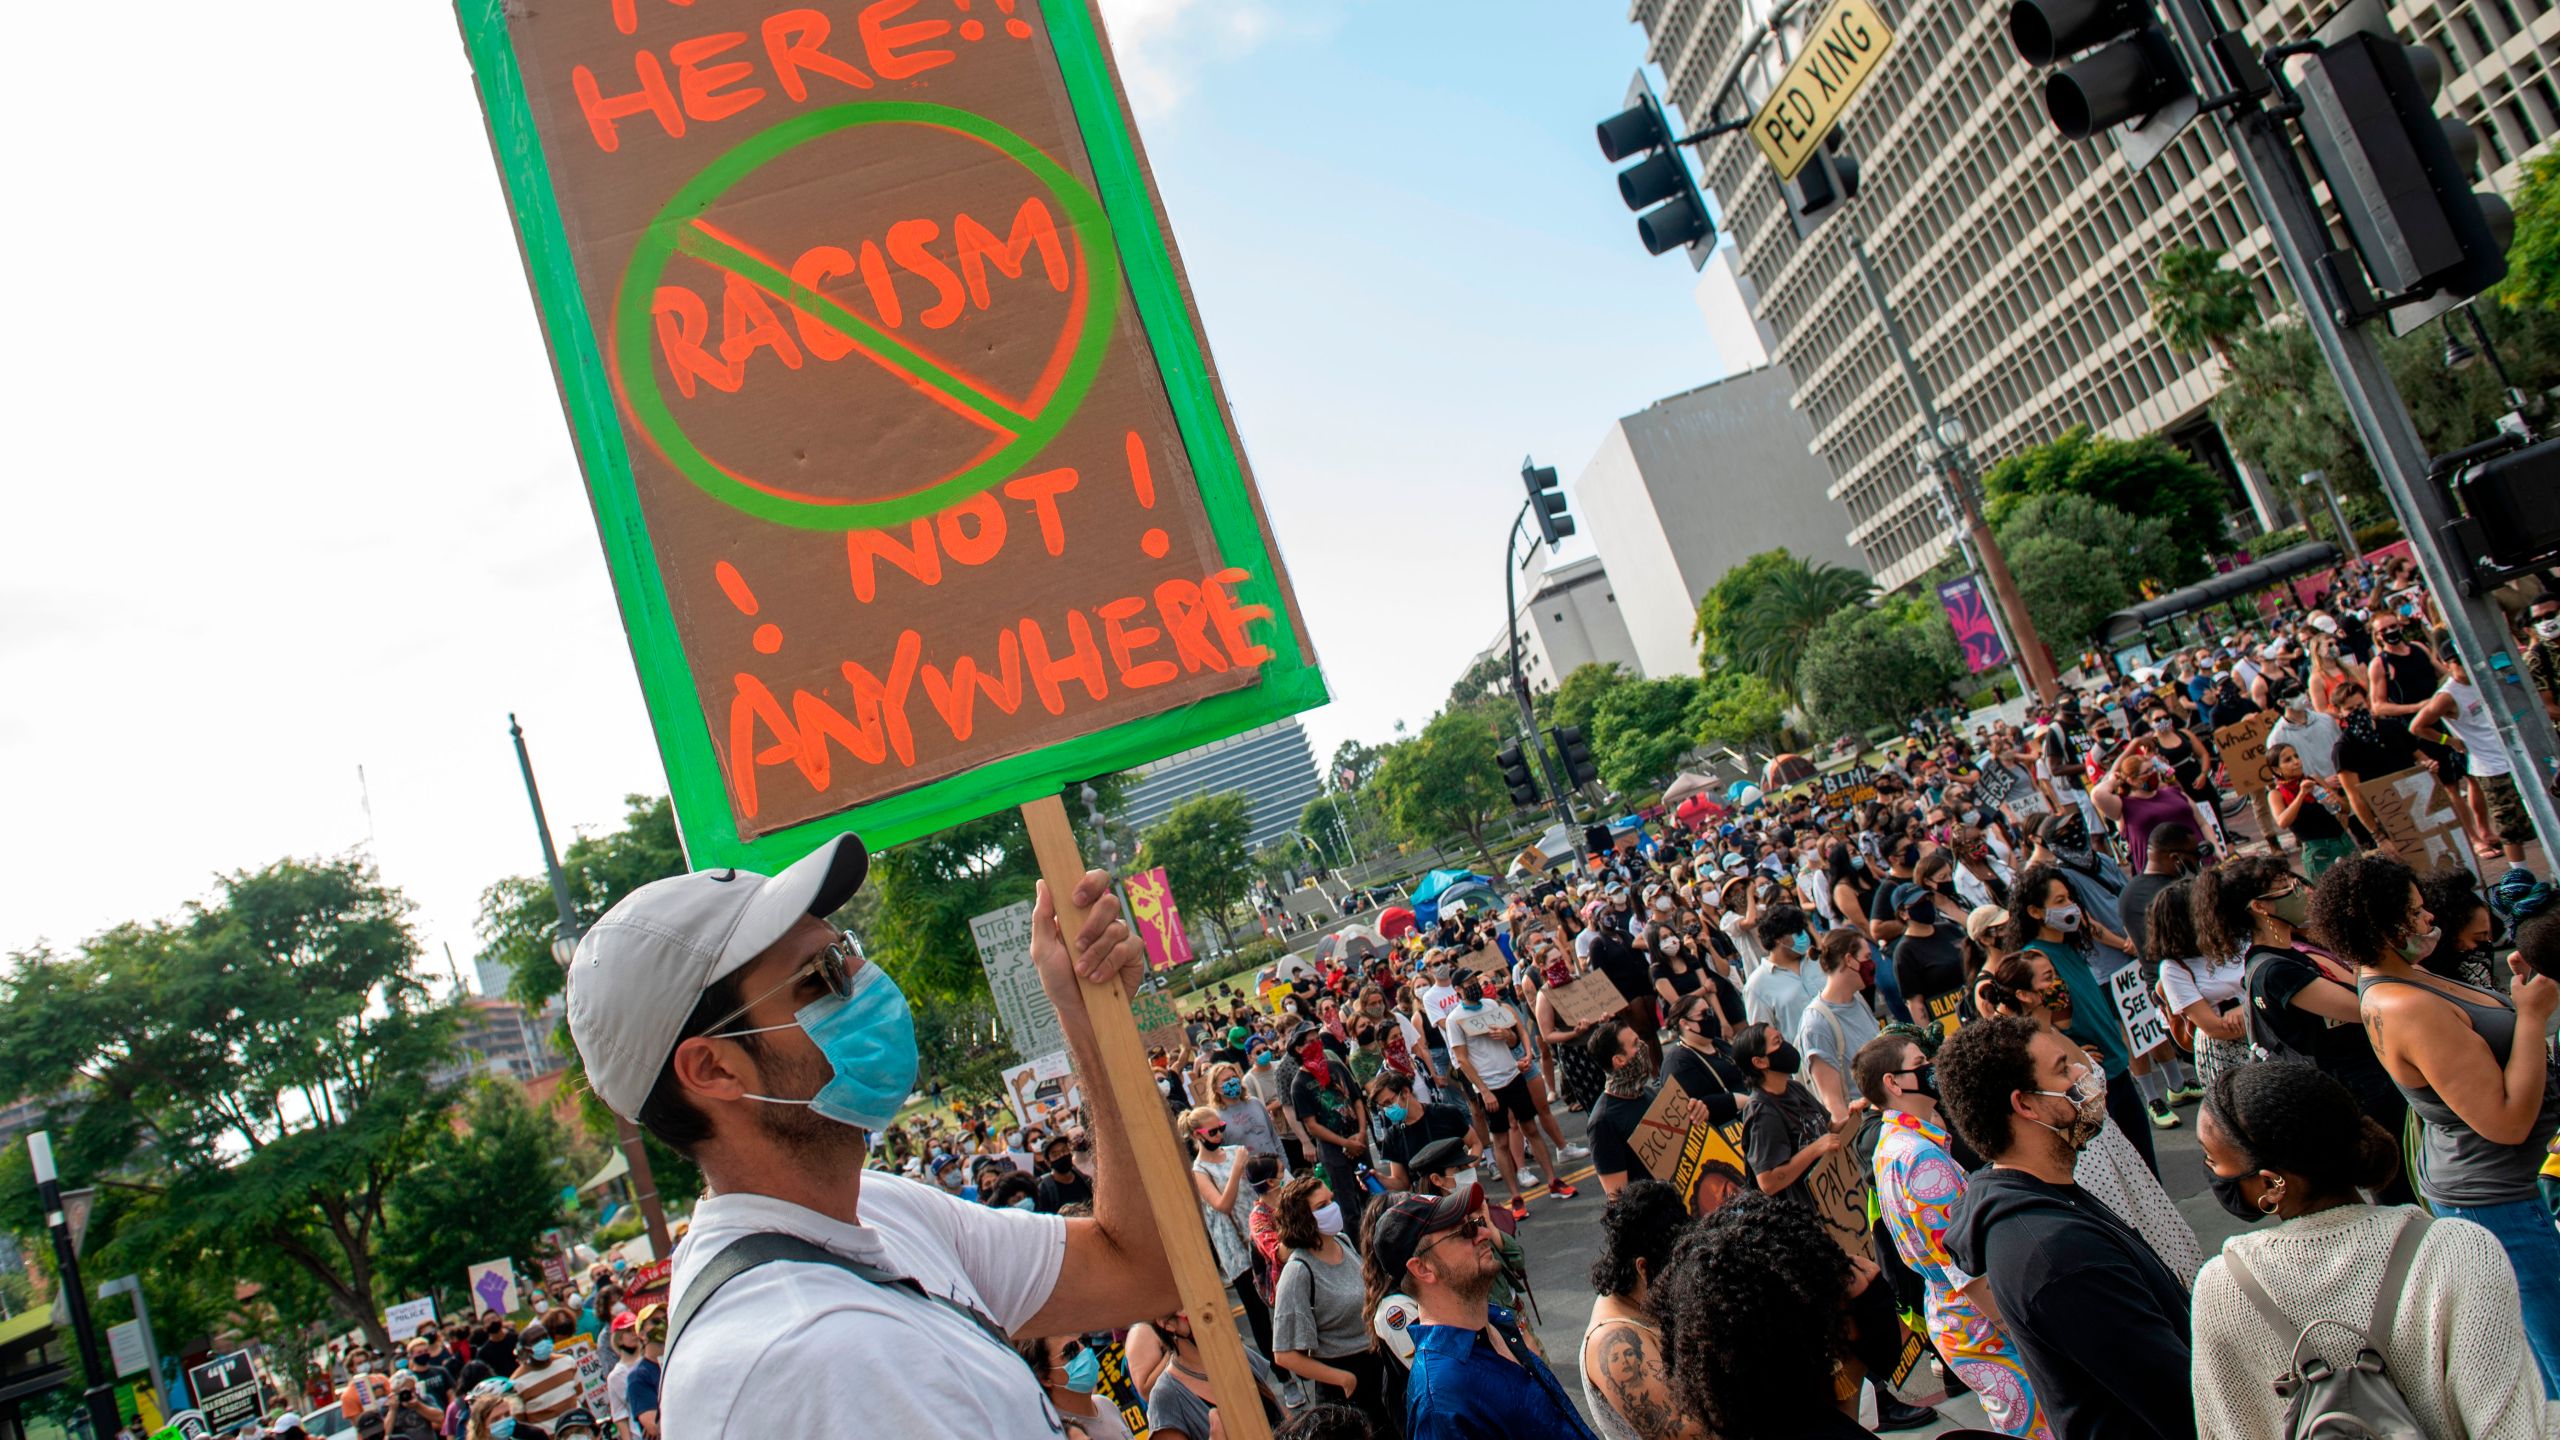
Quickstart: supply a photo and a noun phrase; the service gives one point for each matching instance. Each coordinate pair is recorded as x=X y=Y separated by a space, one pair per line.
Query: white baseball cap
x=640 y=971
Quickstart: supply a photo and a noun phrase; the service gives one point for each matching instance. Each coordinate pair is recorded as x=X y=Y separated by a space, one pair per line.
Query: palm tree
x=2198 y=303
x=1794 y=602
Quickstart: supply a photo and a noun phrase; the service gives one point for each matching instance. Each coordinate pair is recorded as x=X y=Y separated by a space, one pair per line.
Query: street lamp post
x=100 y=1397
x=1940 y=458
x=2337 y=517
x=564 y=948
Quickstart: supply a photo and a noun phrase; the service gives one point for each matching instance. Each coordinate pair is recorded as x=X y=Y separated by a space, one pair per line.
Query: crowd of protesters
x=1915 y=1023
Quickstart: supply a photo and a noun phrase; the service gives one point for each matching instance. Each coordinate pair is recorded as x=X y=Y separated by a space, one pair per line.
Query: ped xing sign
x=1839 y=53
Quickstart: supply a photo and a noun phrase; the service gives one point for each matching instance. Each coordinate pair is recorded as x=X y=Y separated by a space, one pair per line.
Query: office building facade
x=1274 y=765
x=1570 y=618
x=2014 y=257
x=1691 y=486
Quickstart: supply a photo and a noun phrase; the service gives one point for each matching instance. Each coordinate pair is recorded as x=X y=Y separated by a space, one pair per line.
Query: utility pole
x=564 y=947
x=100 y=1397
x=2282 y=195
x=2337 y=517
x=1556 y=789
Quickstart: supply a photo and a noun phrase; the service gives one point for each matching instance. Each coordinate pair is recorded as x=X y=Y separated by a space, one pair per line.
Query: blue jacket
x=1463 y=1389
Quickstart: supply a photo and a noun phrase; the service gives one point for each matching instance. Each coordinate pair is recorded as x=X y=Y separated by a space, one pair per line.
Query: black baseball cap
x=1411 y=1220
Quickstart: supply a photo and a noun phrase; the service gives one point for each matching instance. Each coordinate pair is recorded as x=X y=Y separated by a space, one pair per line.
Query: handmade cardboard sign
x=2417 y=817
x=1838 y=1185
x=1703 y=1162
x=2145 y=1028
x=1483 y=960
x=2243 y=748
x=1586 y=999
x=1159 y=1024
x=918 y=491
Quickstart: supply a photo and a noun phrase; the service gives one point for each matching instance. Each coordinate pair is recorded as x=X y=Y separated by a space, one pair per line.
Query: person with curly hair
x=1919 y=1181
x=2099 y=1318
x=2467 y=930
x=2475 y=1066
x=1626 y=1383
x=1771 y=1326
x=2283 y=1140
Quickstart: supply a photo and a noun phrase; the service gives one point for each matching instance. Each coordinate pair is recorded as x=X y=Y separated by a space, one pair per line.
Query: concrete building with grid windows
x=2016 y=258
x=1274 y=765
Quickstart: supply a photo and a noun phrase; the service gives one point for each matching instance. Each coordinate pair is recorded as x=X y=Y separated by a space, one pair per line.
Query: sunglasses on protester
x=833 y=966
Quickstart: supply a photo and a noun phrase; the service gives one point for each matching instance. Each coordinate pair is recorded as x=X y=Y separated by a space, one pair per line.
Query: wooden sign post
x=1167 y=1181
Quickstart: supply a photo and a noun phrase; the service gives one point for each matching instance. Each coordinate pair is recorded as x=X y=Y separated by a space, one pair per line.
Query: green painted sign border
x=1289 y=683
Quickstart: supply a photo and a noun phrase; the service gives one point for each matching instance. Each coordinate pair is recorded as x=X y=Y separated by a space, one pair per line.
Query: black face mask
x=1924 y=1080
x=2226 y=1191
x=1786 y=1059
x=1062 y=1165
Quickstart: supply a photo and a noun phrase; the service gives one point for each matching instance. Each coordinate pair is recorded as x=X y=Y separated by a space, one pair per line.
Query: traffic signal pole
x=2277 y=186
x=1556 y=789
x=2018 y=628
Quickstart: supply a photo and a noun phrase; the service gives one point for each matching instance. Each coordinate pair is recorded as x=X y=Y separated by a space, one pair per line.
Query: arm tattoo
x=1632 y=1381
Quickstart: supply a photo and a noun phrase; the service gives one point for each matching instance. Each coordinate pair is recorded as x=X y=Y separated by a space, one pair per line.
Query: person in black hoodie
x=2101 y=1324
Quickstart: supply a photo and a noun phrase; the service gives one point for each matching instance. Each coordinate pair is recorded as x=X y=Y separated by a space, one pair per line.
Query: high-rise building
x=1274 y=765
x=2015 y=257
x=1568 y=619
x=1691 y=486
x=500 y=1037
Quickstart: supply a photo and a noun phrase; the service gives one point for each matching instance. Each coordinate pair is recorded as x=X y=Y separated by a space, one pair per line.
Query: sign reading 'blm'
x=918 y=492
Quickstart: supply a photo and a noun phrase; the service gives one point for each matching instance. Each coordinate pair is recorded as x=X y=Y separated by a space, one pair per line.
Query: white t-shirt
x=2315 y=740
x=1745 y=944
x=1481 y=1031
x=788 y=1349
x=2215 y=982
x=1438 y=1001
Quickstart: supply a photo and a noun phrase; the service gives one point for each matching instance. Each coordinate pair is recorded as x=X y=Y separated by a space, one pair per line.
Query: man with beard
x=812 y=1297
x=1476 y=1375
x=1624 y=1098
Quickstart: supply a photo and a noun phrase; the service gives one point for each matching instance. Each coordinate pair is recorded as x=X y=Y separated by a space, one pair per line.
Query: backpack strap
x=2258 y=1296
x=766 y=1246
x=2395 y=1274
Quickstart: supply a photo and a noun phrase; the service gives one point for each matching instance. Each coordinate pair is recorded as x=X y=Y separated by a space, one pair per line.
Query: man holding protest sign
x=721 y=1011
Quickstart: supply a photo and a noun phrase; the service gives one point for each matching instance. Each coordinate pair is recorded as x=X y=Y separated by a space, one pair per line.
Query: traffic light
x=1576 y=754
x=1515 y=774
x=1828 y=180
x=2399 y=173
x=1660 y=180
x=1546 y=502
x=2129 y=80
x=2511 y=505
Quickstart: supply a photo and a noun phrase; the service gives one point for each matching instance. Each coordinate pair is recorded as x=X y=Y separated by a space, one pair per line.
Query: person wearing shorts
x=1481 y=1033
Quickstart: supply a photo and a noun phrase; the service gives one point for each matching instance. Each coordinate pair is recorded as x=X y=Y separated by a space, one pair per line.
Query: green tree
x=1736 y=709
x=1641 y=731
x=2533 y=259
x=1489 y=675
x=1355 y=756
x=264 y=1059
x=2148 y=477
x=2077 y=561
x=489 y=1187
x=1869 y=667
x=1444 y=779
x=2197 y=302
x=1577 y=700
x=1730 y=598
x=519 y=920
x=1202 y=845
x=1790 y=605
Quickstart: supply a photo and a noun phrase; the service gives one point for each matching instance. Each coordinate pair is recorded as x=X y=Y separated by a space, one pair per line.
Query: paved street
x=1562 y=1239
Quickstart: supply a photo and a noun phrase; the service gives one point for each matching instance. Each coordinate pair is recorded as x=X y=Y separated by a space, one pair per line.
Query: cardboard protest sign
x=492 y=1283
x=1159 y=1025
x=1004 y=949
x=1853 y=786
x=1839 y=1185
x=1483 y=960
x=1945 y=1012
x=2243 y=748
x=1991 y=788
x=917 y=486
x=592 y=1370
x=1157 y=920
x=1704 y=1162
x=1041 y=1089
x=2145 y=1028
x=401 y=1321
x=1586 y=999
x=2417 y=816
x=227 y=1390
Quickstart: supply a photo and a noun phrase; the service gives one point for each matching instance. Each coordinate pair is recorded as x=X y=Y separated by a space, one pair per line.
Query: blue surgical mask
x=1084 y=1373
x=1395 y=1114
x=541 y=1351
x=502 y=1428
x=1232 y=1089
x=869 y=1039
x=1023 y=1204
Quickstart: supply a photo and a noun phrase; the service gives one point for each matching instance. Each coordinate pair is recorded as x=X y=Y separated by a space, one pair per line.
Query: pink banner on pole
x=1976 y=634
x=1158 y=921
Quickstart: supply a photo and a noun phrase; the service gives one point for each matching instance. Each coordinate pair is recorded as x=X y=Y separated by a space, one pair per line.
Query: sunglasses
x=833 y=966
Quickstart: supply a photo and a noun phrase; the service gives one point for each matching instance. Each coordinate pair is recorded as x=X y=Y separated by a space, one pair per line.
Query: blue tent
x=1442 y=885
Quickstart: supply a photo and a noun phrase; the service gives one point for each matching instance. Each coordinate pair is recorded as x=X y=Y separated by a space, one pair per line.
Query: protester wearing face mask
x=2367 y=750
x=2048 y=920
x=720 y=1011
x=499 y=1415
x=2139 y=795
x=1409 y=1126
x=2099 y=1320
x=1071 y=1371
x=2283 y=1142
x=1319 y=1316
x=1928 y=959
x=1325 y=1098
x=1248 y=1122
x=1837 y=1021
x=1920 y=1180
x=546 y=1377
x=1180 y=1405
x=2475 y=1065
x=1786 y=1129
x=2308 y=808
x=624 y=1337
x=1481 y=1036
x=1778 y=992
x=1630 y=1092
x=1218 y=1176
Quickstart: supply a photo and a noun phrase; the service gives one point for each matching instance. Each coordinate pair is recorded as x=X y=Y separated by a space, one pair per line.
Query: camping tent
x=1442 y=886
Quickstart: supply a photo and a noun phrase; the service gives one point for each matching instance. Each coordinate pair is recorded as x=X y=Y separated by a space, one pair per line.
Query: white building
x=1569 y=619
x=1274 y=765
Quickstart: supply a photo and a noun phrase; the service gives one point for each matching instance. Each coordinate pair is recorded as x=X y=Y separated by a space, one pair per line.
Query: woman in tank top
x=2474 y=1065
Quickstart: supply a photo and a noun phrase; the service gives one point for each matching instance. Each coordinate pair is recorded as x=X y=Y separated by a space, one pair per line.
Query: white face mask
x=1462 y=1181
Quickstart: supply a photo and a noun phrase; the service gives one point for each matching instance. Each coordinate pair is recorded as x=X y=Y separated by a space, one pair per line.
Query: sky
x=298 y=524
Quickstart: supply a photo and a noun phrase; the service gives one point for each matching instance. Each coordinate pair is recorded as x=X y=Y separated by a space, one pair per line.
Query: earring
x=2272 y=1198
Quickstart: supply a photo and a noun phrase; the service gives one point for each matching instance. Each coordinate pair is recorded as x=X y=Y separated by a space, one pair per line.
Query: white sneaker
x=1527 y=1179
x=1577 y=1152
